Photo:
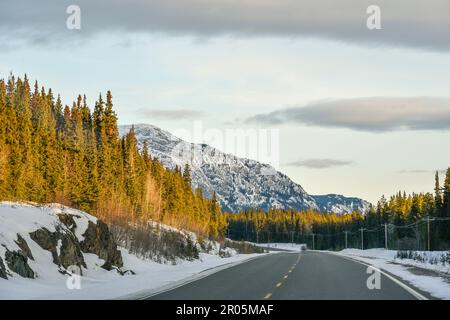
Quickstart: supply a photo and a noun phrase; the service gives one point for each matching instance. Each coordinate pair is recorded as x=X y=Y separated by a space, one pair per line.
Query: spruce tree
x=446 y=204
x=437 y=195
x=187 y=175
x=4 y=149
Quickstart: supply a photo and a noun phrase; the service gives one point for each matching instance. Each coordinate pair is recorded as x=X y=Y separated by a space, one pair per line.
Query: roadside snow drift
x=430 y=277
x=55 y=252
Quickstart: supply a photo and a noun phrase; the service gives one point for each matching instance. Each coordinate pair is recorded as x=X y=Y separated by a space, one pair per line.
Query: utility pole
x=346 y=240
x=385 y=237
x=362 y=238
x=313 y=241
x=428 y=229
x=292 y=238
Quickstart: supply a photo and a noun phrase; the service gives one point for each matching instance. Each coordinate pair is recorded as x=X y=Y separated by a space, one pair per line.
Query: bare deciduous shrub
x=424 y=257
x=242 y=247
x=152 y=242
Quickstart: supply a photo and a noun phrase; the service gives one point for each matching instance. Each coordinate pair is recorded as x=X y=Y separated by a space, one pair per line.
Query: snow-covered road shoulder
x=295 y=247
x=41 y=244
x=150 y=278
x=433 y=278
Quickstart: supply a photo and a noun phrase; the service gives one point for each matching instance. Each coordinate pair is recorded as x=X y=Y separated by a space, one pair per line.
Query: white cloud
x=367 y=114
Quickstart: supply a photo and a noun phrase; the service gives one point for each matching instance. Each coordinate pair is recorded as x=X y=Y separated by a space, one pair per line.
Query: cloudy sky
x=359 y=112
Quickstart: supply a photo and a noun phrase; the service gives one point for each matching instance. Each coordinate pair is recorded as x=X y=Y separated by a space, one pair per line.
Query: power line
x=290 y=235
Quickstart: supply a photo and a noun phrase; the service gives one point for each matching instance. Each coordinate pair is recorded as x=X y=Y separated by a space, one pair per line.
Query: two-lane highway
x=305 y=275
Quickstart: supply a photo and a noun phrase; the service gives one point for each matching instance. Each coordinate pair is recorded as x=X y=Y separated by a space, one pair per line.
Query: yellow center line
x=279 y=284
x=268 y=296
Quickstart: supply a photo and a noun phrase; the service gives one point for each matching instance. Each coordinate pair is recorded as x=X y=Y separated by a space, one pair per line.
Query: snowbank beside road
x=100 y=284
x=48 y=264
x=282 y=246
x=432 y=278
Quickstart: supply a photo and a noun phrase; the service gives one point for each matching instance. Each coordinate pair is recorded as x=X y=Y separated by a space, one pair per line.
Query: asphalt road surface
x=305 y=275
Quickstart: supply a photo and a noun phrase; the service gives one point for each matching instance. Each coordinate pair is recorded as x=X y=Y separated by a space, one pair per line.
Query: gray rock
x=23 y=245
x=2 y=269
x=70 y=252
x=18 y=263
x=98 y=240
x=68 y=221
x=126 y=272
x=47 y=241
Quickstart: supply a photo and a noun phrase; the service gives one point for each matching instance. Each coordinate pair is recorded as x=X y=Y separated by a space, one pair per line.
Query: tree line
x=402 y=218
x=50 y=152
x=277 y=225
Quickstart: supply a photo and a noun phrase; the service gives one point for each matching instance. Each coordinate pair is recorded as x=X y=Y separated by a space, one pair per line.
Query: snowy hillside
x=239 y=183
x=43 y=248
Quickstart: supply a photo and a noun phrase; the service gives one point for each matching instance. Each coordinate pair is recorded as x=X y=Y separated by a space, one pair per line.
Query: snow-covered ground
x=96 y=282
x=435 y=282
x=282 y=246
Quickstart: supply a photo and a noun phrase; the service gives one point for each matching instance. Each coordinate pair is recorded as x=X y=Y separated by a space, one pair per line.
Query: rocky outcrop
x=23 y=245
x=63 y=245
x=57 y=234
x=18 y=263
x=68 y=221
x=67 y=250
x=2 y=269
x=98 y=240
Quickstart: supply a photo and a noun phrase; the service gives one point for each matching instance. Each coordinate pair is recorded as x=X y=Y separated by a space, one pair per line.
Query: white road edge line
x=195 y=277
x=416 y=294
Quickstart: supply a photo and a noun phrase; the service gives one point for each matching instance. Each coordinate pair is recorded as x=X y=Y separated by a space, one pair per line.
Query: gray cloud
x=410 y=23
x=319 y=163
x=367 y=114
x=174 y=114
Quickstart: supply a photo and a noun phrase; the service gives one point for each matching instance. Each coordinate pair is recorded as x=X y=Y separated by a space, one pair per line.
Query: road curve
x=290 y=276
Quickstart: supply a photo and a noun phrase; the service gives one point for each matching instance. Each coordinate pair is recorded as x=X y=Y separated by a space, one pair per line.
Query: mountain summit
x=238 y=182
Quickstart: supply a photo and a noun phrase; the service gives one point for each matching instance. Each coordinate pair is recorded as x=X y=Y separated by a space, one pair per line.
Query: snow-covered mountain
x=339 y=204
x=238 y=182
